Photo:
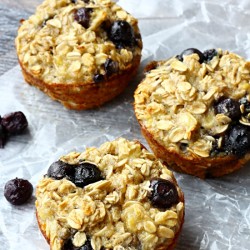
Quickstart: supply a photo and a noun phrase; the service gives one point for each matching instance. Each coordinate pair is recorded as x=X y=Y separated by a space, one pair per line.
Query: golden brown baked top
x=68 y=41
x=115 y=212
x=197 y=105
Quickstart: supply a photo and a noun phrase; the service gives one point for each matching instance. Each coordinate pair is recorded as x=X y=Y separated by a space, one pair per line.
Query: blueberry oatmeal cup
x=193 y=110
x=80 y=53
x=118 y=196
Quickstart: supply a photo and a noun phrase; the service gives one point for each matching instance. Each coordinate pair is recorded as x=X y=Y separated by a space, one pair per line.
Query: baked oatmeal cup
x=193 y=110
x=80 y=53
x=118 y=196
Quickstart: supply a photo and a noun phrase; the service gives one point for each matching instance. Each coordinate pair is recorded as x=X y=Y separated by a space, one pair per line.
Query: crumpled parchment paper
x=217 y=210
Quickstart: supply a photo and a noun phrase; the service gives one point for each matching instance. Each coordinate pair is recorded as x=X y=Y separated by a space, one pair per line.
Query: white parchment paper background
x=217 y=210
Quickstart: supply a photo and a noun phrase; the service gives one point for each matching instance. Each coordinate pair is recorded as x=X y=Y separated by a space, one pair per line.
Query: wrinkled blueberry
x=59 y=170
x=164 y=193
x=121 y=34
x=14 y=123
x=3 y=136
x=246 y=104
x=98 y=78
x=86 y=173
x=110 y=67
x=210 y=54
x=69 y=245
x=189 y=52
x=229 y=107
x=18 y=191
x=237 y=140
x=82 y=16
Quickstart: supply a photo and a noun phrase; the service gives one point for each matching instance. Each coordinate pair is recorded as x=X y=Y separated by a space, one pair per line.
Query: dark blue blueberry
x=82 y=16
x=86 y=173
x=164 y=193
x=18 y=191
x=110 y=67
x=191 y=51
x=14 y=123
x=210 y=54
x=98 y=78
x=121 y=34
x=237 y=140
x=68 y=245
x=3 y=135
x=229 y=107
x=59 y=170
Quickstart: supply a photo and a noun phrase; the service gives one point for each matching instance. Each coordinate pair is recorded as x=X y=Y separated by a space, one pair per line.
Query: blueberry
x=82 y=174
x=210 y=54
x=18 y=191
x=98 y=78
x=3 y=135
x=121 y=34
x=59 y=170
x=237 y=140
x=164 y=193
x=14 y=123
x=86 y=173
x=246 y=103
x=229 y=107
x=82 y=16
x=110 y=67
x=68 y=245
x=191 y=51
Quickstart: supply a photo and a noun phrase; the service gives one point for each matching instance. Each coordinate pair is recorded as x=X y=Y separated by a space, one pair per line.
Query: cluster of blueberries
x=163 y=195
x=236 y=140
x=119 y=32
x=206 y=56
x=16 y=191
x=237 y=137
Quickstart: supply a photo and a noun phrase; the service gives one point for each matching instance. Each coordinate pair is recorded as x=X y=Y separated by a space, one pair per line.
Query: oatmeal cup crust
x=172 y=246
x=174 y=105
x=81 y=96
x=74 y=62
x=115 y=212
x=193 y=165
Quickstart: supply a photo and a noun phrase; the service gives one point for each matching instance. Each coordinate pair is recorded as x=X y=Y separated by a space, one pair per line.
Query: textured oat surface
x=52 y=46
x=175 y=100
x=115 y=212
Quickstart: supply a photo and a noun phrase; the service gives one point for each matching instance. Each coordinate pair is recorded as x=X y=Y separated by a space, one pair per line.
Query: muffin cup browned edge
x=192 y=164
x=80 y=96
